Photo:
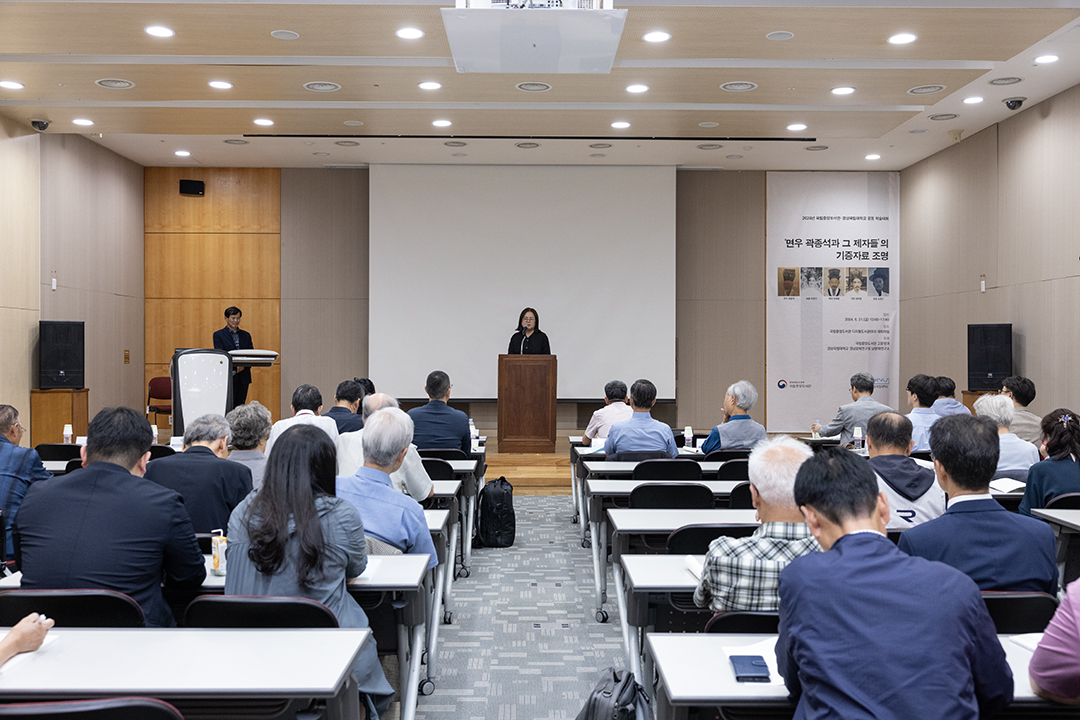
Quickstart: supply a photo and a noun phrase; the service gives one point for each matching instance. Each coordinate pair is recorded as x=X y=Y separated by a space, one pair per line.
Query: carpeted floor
x=523 y=643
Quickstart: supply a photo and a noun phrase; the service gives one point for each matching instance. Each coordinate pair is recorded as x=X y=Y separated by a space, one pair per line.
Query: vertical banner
x=832 y=300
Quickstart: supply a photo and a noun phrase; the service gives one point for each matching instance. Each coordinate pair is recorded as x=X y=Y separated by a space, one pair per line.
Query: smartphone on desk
x=750 y=668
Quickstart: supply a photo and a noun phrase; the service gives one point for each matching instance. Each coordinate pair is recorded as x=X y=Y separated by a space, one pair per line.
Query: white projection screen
x=456 y=253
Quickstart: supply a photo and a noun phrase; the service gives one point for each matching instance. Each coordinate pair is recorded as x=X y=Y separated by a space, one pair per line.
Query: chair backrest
x=743 y=622
x=922 y=455
x=160 y=389
x=1017 y=475
x=894 y=535
x=443 y=453
x=57 y=451
x=740 y=498
x=72 y=608
x=672 y=495
x=725 y=455
x=206 y=542
x=737 y=469
x=123 y=708
x=668 y=469
x=438 y=469
x=1020 y=612
x=160 y=451
x=73 y=465
x=1068 y=501
x=375 y=546
x=695 y=539
x=636 y=455
x=244 y=611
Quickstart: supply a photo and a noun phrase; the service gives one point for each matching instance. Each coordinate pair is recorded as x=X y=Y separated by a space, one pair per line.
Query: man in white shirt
x=410 y=478
x=615 y=410
x=306 y=406
x=1016 y=455
x=914 y=496
x=922 y=392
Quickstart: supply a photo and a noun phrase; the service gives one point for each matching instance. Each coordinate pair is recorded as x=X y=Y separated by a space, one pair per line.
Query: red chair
x=160 y=389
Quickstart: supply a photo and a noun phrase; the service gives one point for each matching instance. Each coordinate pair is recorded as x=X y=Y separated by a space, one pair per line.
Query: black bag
x=617 y=697
x=497 y=523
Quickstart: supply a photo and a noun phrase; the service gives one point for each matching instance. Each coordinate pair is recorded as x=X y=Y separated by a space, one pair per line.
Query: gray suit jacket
x=851 y=415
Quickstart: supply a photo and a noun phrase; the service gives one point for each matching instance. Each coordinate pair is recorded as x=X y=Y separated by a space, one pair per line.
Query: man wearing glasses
x=19 y=467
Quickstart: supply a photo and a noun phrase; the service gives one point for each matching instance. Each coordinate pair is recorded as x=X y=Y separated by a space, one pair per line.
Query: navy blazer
x=998 y=549
x=869 y=632
x=347 y=421
x=102 y=527
x=19 y=467
x=211 y=487
x=437 y=425
x=223 y=340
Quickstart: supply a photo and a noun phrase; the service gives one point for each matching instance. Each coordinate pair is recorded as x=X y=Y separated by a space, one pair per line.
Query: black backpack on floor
x=617 y=697
x=497 y=523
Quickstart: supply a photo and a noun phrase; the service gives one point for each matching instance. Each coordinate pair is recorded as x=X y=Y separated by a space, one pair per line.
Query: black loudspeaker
x=989 y=356
x=60 y=360
x=192 y=187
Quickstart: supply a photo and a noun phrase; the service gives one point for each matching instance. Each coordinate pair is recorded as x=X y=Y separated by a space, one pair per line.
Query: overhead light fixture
x=284 y=34
x=114 y=84
x=974 y=100
x=739 y=86
x=734 y=157
x=637 y=88
x=264 y=121
x=82 y=121
x=527 y=145
x=454 y=143
x=1045 y=59
x=903 y=39
x=918 y=131
x=429 y=85
x=816 y=148
x=322 y=86
x=235 y=141
x=346 y=143
x=873 y=156
x=410 y=33
x=353 y=123
x=944 y=116
x=159 y=31
x=843 y=90
x=11 y=85
x=600 y=146
x=620 y=125
x=656 y=36
x=1004 y=81
x=182 y=153
x=796 y=126
x=597 y=155
x=780 y=35
x=709 y=124
x=709 y=146
x=926 y=89
x=442 y=123
x=220 y=84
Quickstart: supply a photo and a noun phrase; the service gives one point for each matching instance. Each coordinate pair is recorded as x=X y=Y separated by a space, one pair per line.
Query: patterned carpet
x=523 y=643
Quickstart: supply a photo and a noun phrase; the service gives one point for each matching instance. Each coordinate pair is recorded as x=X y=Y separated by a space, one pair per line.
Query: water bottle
x=858 y=438
x=67 y=434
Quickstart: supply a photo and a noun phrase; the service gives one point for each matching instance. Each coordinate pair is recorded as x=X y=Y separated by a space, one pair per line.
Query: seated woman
x=295 y=538
x=1060 y=472
x=1055 y=668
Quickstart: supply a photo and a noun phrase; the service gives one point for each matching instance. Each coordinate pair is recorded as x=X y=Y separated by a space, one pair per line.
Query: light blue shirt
x=640 y=433
x=1016 y=454
x=388 y=515
x=921 y=420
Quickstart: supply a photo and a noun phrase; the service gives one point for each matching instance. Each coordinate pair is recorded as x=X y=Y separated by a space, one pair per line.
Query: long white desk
x=447 y=495
x=1066 y=525
x=471 y=476
x=237 y=670
x=625 y=468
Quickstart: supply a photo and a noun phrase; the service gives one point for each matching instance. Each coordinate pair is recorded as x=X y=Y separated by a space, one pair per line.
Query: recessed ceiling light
x=181 y=153
x=321 y=154
x=459 y=154
x=264 y=121
x=235 y=141
x=11 y=85
x=734 y=157
x=944 y=116
x=285 y=34
x=454 y=143
x=533 y=86
x=600 y=146
x=159 y=31
x=873 y=156
x=974 y=100
x=442 y=123
x=920 y=131
x=656 y=36
x=709 y=146
x=410 y=33
x=903 y=39
x=1005 y=81
x=637 y=88
x=353 y=123
x=796 y=126
x=220 y=84
x=114 y=83
x=1044 y=59
x=322 y=86
x=780 y=35
x=816 y=148
x=527 y=145
x=845 y=90
x=429 y=85
x=82 y=121
x=620 y=125
x=739 y=86
x=346 y=143
x=926 y=89
x=597 y=155
x=709 y=124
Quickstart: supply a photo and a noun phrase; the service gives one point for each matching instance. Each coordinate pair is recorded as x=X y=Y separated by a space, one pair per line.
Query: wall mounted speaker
x=192 y=187
x=989 y=355
x=60 y=356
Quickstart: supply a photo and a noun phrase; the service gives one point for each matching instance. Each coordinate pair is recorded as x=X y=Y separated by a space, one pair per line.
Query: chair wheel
x=586 y=543
x=603 y=597
x=575 y=520
x=427 y=687
x=448 y=618
x=463 y=572
x=423 y=658
x=601 y=616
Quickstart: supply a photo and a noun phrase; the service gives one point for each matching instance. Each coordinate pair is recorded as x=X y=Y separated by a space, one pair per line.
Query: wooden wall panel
x=237 y=200
x=191 y=322
x=212 y=265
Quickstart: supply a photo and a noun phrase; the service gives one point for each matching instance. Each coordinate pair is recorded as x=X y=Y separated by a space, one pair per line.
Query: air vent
x=533 y=87
x=926 y=89
x=739 y=86
x=114 y=83
x=527 y=145
x=285 y=34
x=780 y=35
x=322 y=86
x=600 y=146
x=455 y=143
x=1005 y=81
x=235 y=141
x=817 y=148
x=709 y=146
x=944 y=116
x=346 y=143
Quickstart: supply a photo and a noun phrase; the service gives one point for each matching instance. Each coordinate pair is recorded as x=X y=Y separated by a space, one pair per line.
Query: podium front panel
x=527 y=394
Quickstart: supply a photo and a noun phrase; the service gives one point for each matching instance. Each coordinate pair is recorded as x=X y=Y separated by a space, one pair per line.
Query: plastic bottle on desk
x=67 y=433
x=857 y=438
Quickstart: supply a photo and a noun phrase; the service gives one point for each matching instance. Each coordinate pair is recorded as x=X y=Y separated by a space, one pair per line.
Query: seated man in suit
x=869 y=632
x=922 y=391
x=250 y=425
x=854 y=414
x=946 y=403
x=19 y=467
x=388 y=515
x=210 y=485
x=615 y=410
x=742 y=573
x=736 y=431
x=346 y=404
x=106 y=527
x=306 y=406
x=437 y=424
x=641 y=433
x=914 y=496
x=1016 y=455
x=410 y=478
x=998 y=549
x=231 y=337
x=1025 y=425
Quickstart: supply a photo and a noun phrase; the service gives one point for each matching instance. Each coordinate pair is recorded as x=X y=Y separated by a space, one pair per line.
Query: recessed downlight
x=264 y=121
x=637 y=88
x=1004 y=81
x=346 y=143
x=926 y=89
x=159 y=31
x=739 y=86
x=620 y=125
x=527 y=145
x=442 y=123
x=873 y=156
x=321 y=154
x=903 y=38
x=816 y=148
x=285 y=34
x=944 y=116
x=220 y=84
x=11 y=85
x=83 y=121
x=353 y=123
x=235 y=141
x=429 y=85
x=780 y=35
x=796 y=126
x=1046 y=59
x=114 y=84
x=459 y=154
x=708 y=124
x=597 y=155
x=709 y=146
x=533 y=86
x=656 y=36
x=918 y=131
x=843 y=90
x=182 y=153
x=973 y=100
x=600 y=146
x=410 y=33
x=322 y=86
x=454 y=143
x=734 y=157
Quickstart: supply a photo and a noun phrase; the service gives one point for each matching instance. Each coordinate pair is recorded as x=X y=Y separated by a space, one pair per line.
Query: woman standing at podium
x=529 y=340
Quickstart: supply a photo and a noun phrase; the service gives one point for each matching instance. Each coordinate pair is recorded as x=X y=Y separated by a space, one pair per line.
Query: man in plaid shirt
x=742 y=573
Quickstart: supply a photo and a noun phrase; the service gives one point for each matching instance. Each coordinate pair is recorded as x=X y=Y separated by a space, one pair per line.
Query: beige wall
x=20 y=171
x=92 y=243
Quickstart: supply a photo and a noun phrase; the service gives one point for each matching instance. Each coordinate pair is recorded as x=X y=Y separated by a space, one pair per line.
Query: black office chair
x=695 y=539
x=894 y=535
x=637 y=455
x=1017 y=475
x=922 y=455
x=672 y=495
x=1020 y=612
x=438 y=469
x=73 y=465
x=124 y=708
x=245 y=611
x=57 y=451
x=160 y=451
x=740 y=498
x=1068 y=501
x=668 y=469
x=737 y=469
x=206 y=542
x=443 y=453
x=743 y=622
x=72 y=608
x=725 y=455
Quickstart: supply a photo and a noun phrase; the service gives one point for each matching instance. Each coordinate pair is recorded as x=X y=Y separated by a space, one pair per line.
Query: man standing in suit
x=856 y=413
x=104 y=526
x=231 y=337
x=998 y=549
x=869 y=632
x=437 y=424
x=19 y=467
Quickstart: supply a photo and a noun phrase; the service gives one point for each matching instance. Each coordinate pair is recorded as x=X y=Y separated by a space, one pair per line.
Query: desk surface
x=622 y=488
x=649 y=522
x=1065 y=518
x=436 y=520
x=659 y=573
x=463 y=466
x=55 y=466
x=627 y=466
x=185 y=662
x=446 y=488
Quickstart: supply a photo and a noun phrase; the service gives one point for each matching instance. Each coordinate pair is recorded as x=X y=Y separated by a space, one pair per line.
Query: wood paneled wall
x=206 y=253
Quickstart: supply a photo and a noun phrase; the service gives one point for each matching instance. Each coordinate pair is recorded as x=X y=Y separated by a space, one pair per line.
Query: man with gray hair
x=736 y=431
x=410 y=478
x=388 y=516
x=210 y=485
x=19 y=467
x=743 y=573
x=854 y=414
x=1017 y=455
x=250 y=429
x=615 y=410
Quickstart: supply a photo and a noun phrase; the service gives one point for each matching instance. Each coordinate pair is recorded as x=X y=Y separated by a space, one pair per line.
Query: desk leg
x=584 y=509
x=435 y=619
x=665 y=710
x=598 y=570
x=574 y=488
x=466 y=544
x=346 y=704
x=451 y=563
x=412 y=682
x=630 y=635
x=603 y=543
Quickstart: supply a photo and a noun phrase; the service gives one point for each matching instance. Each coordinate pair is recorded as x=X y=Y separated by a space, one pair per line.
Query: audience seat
x=57 y=451
x=73 y=465
x=740 y=498
x=249 y=611
x=668 y=469
x=72 y=608
x=438 y=469
x=672 y=495
x=443 y=453
x=160 y=388
x=637 y=455
x=1068 y=501
x=1017 y=475
x=725 y=455
x=738 y=469
x=894 y=535
x=743 y=622
x=160 y=451
x=695 y=539
x=124 y=708
x=1020 y=612
x=922 y=455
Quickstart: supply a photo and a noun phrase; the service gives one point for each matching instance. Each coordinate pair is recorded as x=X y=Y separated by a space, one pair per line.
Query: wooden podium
x=527 y=386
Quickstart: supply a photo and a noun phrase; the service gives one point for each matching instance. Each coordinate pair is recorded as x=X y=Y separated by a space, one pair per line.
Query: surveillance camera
x=40 y=125
x=1014 y=103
